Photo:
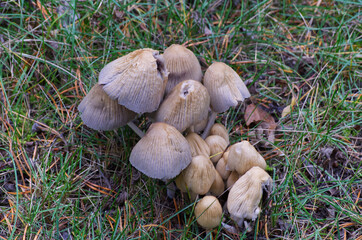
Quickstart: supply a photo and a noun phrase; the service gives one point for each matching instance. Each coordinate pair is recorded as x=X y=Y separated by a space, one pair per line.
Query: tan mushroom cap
x=232 y=178
x=162 y=153
x=199 y=175
x=182 y=65
x=198 y=145
x=218 y=186
x=217 y=147
x=221 y=169
x=208 y=212
x=186 y=105
x=100 y=112
x=245 y=195
x=219 y=129
x=225 y=87
x=243 y=156
x=136 y=80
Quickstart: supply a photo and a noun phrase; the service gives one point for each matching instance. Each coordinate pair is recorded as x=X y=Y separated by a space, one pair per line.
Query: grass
x=66 y=181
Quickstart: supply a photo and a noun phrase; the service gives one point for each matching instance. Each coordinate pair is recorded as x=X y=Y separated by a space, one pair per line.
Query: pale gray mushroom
x=182 y=64
x=136 y=80
x=186 y=105
x=245 y=195
x=100 y=112
x=162 y=153
x=226 y=90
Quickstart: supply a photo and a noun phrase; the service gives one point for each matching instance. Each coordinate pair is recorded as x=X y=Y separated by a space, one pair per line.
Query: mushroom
x=218 y=186
x=221 y=169
x=186 y=105
x=226 y=90
x=182 y=65
x=219 y=129
x=162 y=153
x=199 y=175
x=233 y=177
x=136 y=80
x=208 y=212
x=243 y=156
x=198 y=145
x=246 y=193
x=217 y=147
x=100 y=112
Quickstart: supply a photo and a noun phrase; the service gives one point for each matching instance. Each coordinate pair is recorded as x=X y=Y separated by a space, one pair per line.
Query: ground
x=300 y=60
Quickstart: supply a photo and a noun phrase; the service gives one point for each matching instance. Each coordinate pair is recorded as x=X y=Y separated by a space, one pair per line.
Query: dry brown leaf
x=254 y=114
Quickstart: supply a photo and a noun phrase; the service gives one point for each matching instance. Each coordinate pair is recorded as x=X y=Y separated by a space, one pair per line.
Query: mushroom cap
x=217 y=147
x=233 y=177
x=208 y=212
x=199 y=175
x=221 y=169
x=182 y=65
x=100 y=112
x=219 y=129
x=225 y=87
x=186 y=105
x=245 y=195
x=136 y=80
x=198 y=145
x=218 y=186
x=243 y=156
x=162 y=153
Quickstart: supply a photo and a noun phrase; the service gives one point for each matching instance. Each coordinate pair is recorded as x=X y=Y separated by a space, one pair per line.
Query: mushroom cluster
x=181 y=103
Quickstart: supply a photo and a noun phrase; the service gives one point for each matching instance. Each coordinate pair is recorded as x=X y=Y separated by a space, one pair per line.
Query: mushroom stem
x=209 y=124
x=171 y=188
x=136 y=129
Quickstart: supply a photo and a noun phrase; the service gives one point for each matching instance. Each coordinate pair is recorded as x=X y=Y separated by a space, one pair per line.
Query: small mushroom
x=199 y=175
x=182 y=65
x=217 y=147
x=246 y=193
x=226 y=90
x=198 y=145
x=221 y=168
x=233 y=177
x=219 y=129
x=243 y=156
x=162 y=153
x=218 y=186
x=208 y=212
x=186 y=105
x=136 y=80
x=100 y=112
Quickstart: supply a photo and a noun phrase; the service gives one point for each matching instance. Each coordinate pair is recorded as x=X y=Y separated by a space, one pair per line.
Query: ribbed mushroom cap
x=217 y=146
x=245 y=195
x=243 y=156
x=225 y=87
x=182 y=65
x=233 y=177
x=199 y=175
x=100 y=112
x=186 y=105
x=208 y=212
x=198 y=145
x=136 y=80
x=162 y=153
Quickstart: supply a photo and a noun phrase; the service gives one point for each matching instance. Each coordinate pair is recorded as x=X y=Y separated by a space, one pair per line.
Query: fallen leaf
x=254 y=114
